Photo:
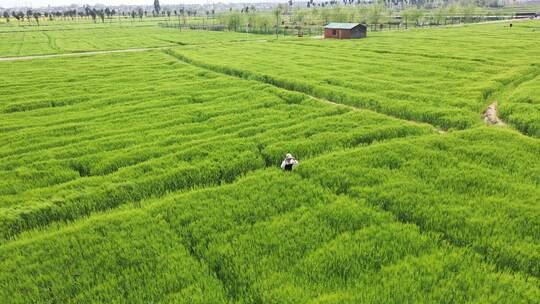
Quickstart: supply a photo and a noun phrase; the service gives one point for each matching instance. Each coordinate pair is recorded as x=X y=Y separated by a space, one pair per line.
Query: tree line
x=287 y=17
x=288 y=14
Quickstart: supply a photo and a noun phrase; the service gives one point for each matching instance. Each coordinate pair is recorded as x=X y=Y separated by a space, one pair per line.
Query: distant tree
x=6 y=16
x=468 y=11
x=454 y=10
x=418 y=16
x=157 y=7
x=169 y=15
x=265 y=22
x=183 y=14
x=252 y=19
x=277 y=13
x=338 y=14
x=177 y=14
x=325 y=15
x=101 y=14
x=439 y=15
x=376 y=14
x=91 y=12
x=18 y=15
x=299 y=15
x=233 y=21
x=36 y=16
x=362 y=14
x=29 y=15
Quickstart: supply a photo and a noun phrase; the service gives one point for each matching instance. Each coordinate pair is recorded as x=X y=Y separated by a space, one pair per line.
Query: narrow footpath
x=79 y=54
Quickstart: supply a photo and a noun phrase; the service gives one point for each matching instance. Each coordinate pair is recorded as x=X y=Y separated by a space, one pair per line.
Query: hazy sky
x=41 y=3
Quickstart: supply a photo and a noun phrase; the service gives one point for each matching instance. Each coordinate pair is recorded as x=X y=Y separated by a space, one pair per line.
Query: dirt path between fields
x=491 y=116
x=488 y=22
x=176 y=43
x=79 y=54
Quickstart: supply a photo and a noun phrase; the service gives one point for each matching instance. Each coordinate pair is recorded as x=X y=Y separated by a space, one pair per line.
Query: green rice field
x=152 y=174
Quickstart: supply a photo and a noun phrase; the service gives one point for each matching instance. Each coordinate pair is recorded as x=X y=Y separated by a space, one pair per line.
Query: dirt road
x=78 y=54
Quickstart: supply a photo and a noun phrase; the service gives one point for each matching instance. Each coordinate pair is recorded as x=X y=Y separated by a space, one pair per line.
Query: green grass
x=153 y=177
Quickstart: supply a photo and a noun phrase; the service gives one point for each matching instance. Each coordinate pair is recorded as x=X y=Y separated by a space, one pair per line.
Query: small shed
x=345 y=30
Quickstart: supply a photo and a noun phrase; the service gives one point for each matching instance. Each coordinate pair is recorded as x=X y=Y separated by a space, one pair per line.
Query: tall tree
x=29 y=15
x=277 y=13
x=101 y=14
x=36 y=16
x=157 y=8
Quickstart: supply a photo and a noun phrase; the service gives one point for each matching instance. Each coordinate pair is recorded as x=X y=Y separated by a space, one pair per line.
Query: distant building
x=345 y=30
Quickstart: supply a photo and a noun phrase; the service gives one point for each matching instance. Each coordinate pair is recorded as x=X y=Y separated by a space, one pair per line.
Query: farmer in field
x=288 y=163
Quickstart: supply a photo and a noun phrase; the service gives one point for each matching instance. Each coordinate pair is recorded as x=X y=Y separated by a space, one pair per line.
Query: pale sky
x=42 y=3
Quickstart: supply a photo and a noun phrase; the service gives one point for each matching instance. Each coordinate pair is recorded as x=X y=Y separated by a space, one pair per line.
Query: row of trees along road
x=33 y=17
x=87 y=12
x=287 y=16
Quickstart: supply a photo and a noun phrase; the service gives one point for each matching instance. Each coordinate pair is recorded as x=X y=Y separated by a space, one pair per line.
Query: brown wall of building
x=328 y=33
x=357 y=32
x=344 y=34
x=340 y=34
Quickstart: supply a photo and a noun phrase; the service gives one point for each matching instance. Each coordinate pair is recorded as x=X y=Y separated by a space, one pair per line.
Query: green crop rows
x=80 y=39
x=523 y=107
x=445 y=76
x=153 y=176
